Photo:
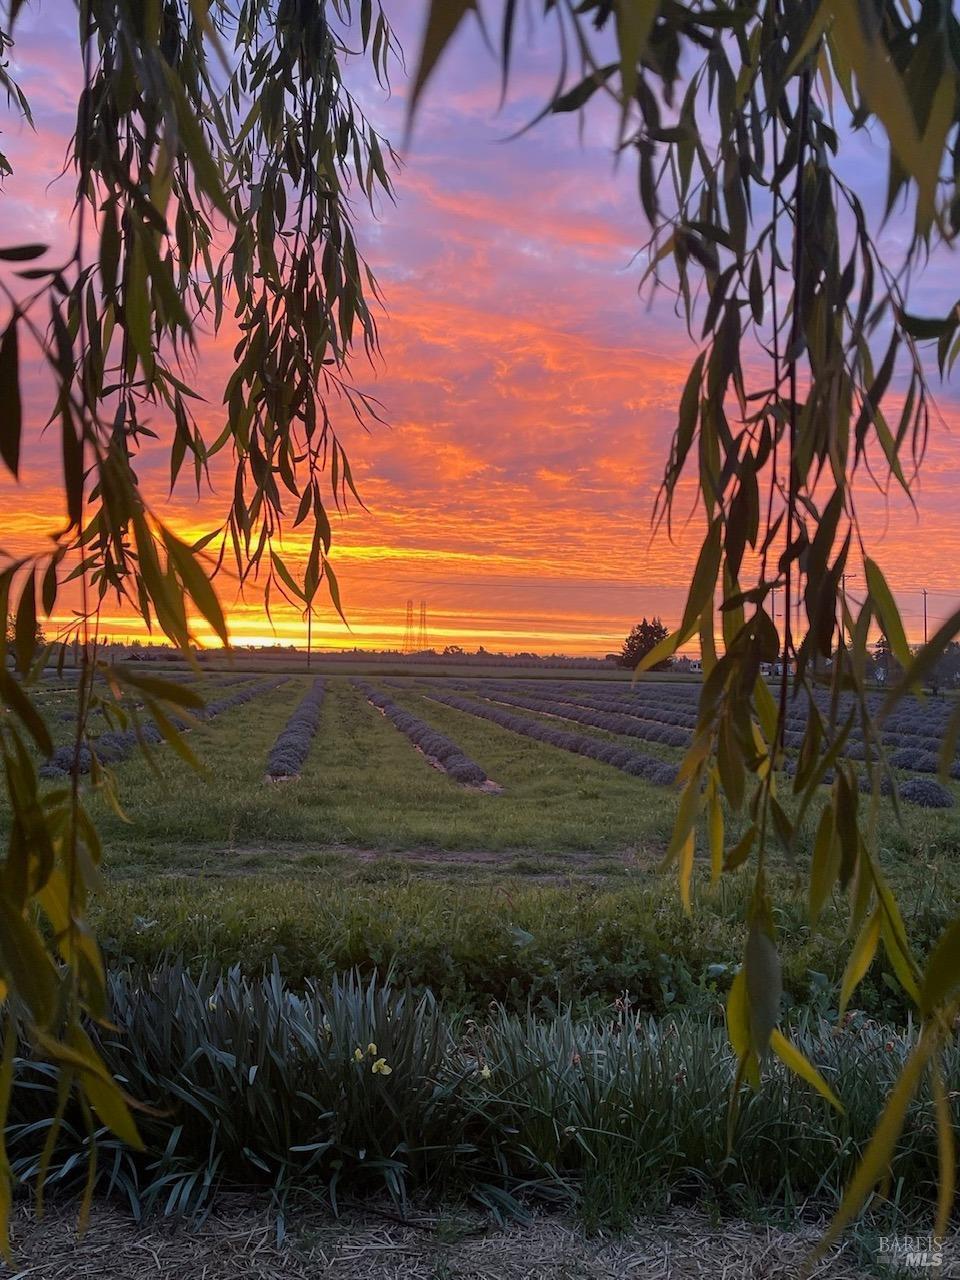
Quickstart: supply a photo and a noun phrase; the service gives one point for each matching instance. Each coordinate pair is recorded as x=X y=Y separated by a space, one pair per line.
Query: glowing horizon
x=530 y=395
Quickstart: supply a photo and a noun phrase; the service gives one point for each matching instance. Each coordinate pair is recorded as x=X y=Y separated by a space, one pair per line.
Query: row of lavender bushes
x=623 y=715
x=293 y=742
x=622 y=722
x=632 y=762
x=459 y=766
x=114 y=744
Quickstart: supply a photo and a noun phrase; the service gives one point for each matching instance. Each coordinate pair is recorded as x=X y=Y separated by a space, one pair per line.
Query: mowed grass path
x=365 y=786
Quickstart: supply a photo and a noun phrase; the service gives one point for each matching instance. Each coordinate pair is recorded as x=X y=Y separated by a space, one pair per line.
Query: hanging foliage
x=807 y=382
x=216 y=153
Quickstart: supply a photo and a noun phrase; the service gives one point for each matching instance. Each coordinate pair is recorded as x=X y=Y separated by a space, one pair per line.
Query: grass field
x=530 y=901
x=546 y=888
x=365 y=787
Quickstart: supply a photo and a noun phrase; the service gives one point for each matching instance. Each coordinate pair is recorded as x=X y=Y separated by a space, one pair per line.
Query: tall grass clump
x=356 y=1087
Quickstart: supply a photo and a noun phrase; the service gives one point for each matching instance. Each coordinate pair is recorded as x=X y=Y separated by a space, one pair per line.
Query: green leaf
x=688 y=810
x=738 y=1029
x=103 y=1093
x=166 y=690
x=705 y=574
x=635 y=19
x=861 y=957
x=741 y=850
x=26 y=965
x=888 y=612
x=876 y=1159
x=715 y=831
x=334 y=589
x=685 y=870
x=922 y=664
x=22 y=252
x=946 y=1150
x=25 y=630
x=174 y=737
x=11 y=408
x=764 y=981
x=443 y=20
x=923 y=327
x=23 y=708
x=205 y=170
x=197 y=584
x=887 y=95
x=824 y=865
x=582 y=92
x=941 y=979
x=286 y=577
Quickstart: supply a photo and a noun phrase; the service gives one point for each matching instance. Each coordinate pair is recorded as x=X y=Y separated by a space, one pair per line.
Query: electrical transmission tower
x=408 y=638
x=422 y=637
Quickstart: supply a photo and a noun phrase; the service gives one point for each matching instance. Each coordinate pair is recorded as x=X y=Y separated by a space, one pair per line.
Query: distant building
x=687 y=666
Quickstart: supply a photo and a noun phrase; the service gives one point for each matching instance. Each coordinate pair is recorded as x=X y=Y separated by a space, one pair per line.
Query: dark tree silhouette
x=644 y=637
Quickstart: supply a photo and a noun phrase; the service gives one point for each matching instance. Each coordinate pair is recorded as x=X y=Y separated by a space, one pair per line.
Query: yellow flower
x=372 y=1050
x=485 y=1072
x=380 y=1067
x=358 y=1054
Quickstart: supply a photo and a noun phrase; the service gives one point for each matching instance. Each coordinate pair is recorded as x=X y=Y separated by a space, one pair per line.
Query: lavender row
x=613 y=722
x=432 y=743
x=611 y=753
x=605 y=710
x=115 y=744
x=924 y=792
x=915 y=744
x=292 y=744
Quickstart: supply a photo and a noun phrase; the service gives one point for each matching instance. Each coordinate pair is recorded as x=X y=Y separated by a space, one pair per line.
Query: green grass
x=365 y=786
x=373 y=858
x=494 y=935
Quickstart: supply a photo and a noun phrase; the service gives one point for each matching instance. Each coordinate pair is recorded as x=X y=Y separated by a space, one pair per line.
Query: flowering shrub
x=663 y=714
x=114 y=744
x=431 y=742
x=627 y=724
x=641 y=766
x=926 y=792
x=290 y=749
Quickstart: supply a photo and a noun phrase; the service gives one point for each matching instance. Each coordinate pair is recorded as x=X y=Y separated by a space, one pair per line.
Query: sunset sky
x=530 y=394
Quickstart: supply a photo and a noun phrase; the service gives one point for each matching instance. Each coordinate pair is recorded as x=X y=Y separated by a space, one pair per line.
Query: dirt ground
x=240 y=1242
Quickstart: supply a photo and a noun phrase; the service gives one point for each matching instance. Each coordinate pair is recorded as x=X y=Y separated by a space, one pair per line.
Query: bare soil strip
x=240 y=1242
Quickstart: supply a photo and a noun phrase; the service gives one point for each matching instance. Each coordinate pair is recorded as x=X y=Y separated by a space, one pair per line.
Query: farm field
x=485 y=838
x=457 y=879
x=558 y=767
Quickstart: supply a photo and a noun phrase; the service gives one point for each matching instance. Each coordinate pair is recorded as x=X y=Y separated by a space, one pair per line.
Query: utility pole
x=924 y=590
x=409 y=640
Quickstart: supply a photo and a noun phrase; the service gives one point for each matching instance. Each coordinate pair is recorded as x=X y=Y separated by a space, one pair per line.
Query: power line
x=408 y=643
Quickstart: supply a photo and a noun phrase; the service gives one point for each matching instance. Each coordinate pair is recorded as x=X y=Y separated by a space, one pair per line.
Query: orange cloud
x=530 y=397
